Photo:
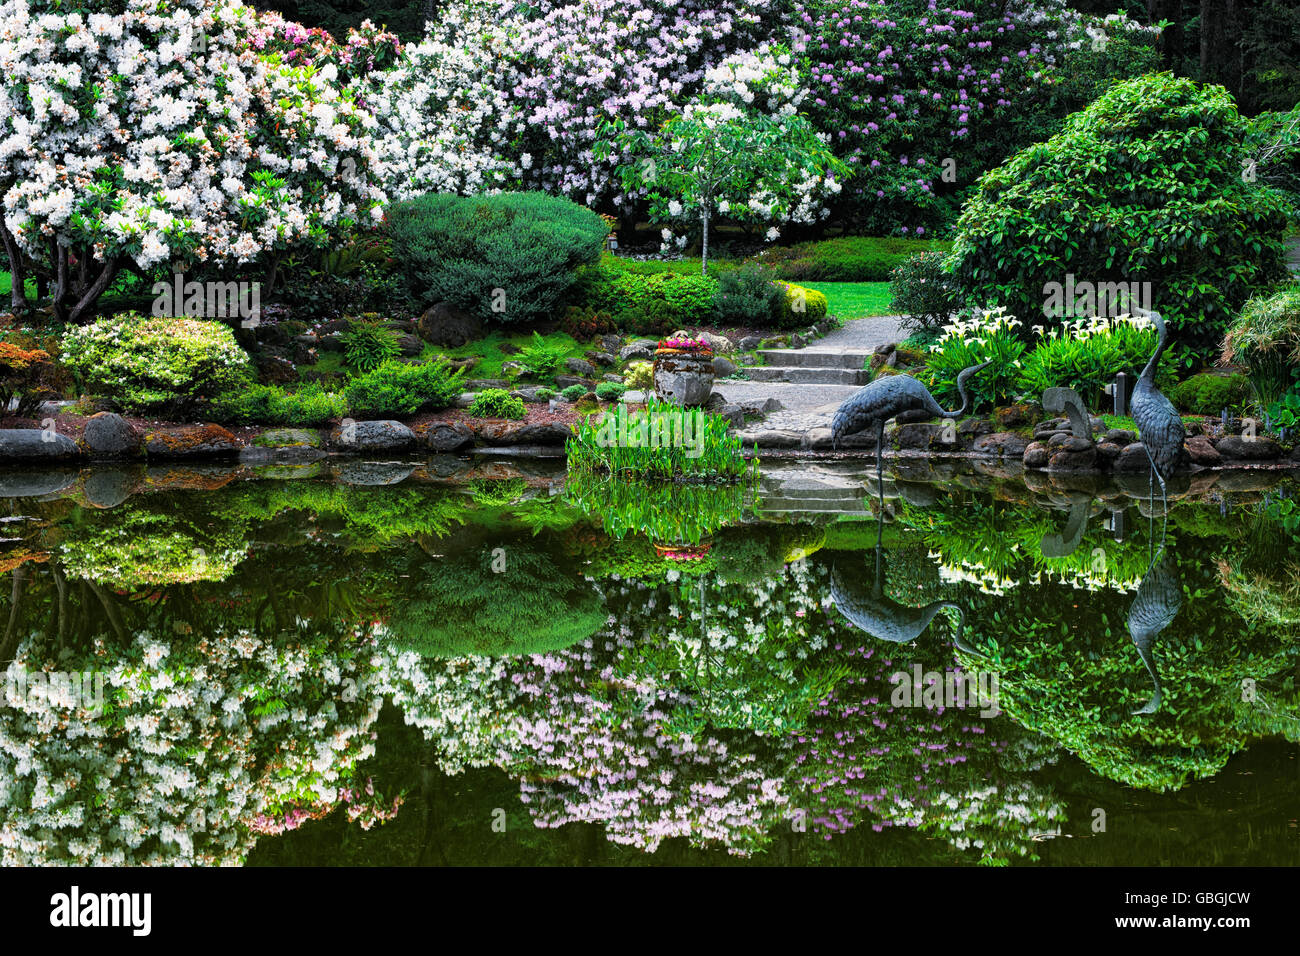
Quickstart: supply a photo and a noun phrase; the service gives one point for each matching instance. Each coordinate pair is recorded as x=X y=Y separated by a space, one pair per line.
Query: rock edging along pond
x=109 y=437
x=1015 y=435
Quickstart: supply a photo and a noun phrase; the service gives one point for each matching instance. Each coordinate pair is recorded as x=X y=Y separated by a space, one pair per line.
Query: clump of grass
x=664 y=442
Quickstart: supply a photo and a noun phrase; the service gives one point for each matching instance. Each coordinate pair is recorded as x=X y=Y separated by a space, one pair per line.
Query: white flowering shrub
x=137 y=134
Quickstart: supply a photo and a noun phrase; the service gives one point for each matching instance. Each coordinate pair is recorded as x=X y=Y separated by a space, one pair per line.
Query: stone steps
x=804 y=375
x=854 y=359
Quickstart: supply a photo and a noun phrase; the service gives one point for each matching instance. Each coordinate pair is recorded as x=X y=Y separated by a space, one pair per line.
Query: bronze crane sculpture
x=885 y=398
x=1159 y=424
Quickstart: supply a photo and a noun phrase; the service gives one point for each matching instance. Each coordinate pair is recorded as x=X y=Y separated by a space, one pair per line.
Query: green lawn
x=855 y=300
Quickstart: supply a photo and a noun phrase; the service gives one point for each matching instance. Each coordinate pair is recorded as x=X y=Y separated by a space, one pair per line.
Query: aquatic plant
x=663 y=442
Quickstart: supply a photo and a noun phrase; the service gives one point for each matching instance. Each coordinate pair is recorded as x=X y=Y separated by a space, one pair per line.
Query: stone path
x=811 y=383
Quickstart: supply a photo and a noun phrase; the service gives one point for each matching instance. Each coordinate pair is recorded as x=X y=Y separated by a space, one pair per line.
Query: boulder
x=1119 y=436
x=478 y=384
x=1237 y=448
x=720 y=343
x=372 y=436
x=722 y=367
x=289 y=438
x=579 y=366
x=448 y=437
x=771 y=438
x=109 y=435
x=917 y=437
x=1064 y=441
x=1202 y=451
x=749 y=343
x=564 y=381
x=1017 y=416
x=912 y=416
x=528 y=393
x=1132 y=459
x=443 y=324
x=33 y=444
x=1108 y=451
x=1002 y=444
x=1036 y=455
x=974 y=427
x=191 y=441
x=602 y=358
x=1067 y=459
x=637 y=350
x=610 y=342
x=411 y=345
x=734 y=414
x=518 y=433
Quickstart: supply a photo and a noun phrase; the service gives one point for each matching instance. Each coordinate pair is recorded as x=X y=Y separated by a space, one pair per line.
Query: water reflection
x=1159 y=598
x=287 y=659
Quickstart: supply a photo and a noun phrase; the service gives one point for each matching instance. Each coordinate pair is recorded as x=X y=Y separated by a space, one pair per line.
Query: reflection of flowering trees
x=624 y=731
x=942 y=772
x=201 y=744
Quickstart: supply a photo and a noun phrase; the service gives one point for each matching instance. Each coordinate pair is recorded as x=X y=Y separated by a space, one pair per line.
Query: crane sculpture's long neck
x=1149 y=373
x=962 y=377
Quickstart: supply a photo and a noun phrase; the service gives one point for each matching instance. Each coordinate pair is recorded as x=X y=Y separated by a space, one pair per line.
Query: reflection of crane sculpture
x=1158 y=422
x=885 y=398
x=1159 y=598
x=871 y=611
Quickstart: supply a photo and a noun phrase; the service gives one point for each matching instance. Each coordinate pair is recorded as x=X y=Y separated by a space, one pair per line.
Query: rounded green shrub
x=1210 y=392
x=610 y=391
x=307 y=407
x=801 y=306
x=398 y=388
x=748 y=297
x=156 y=364
x=574 y=392
x=1143 y=186
x=497 y=403
x=509 y=258
x=639 y=375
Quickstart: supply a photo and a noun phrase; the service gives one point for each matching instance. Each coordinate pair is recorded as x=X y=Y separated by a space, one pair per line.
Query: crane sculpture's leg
x=880 y=486
x=1164 y=495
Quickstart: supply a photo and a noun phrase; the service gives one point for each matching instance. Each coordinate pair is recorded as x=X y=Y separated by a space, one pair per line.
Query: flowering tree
x=723 y=155
x=140 y=134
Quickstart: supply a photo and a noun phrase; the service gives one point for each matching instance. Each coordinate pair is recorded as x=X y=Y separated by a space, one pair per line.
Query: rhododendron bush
x=153 y=132
x=505 y=93
x=911 y=89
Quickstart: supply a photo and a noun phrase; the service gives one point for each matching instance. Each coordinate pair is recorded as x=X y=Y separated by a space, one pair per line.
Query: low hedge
x=846 y=259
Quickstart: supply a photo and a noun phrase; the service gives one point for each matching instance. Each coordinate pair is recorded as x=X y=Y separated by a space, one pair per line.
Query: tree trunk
x=18 y=278
x=704 y=244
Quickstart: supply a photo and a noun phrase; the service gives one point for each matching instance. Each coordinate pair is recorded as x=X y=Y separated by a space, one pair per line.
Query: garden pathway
x=810 y=383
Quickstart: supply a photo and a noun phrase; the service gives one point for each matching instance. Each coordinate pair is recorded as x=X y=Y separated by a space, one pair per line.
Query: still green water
x=512 y=670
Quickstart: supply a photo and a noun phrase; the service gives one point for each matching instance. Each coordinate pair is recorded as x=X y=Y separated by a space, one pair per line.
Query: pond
x=499 y=666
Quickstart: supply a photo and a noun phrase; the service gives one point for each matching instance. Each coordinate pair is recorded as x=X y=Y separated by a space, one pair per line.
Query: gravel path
x=866 y=333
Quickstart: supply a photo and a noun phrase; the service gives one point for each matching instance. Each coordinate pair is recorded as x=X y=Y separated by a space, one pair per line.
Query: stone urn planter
x=683 y=372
